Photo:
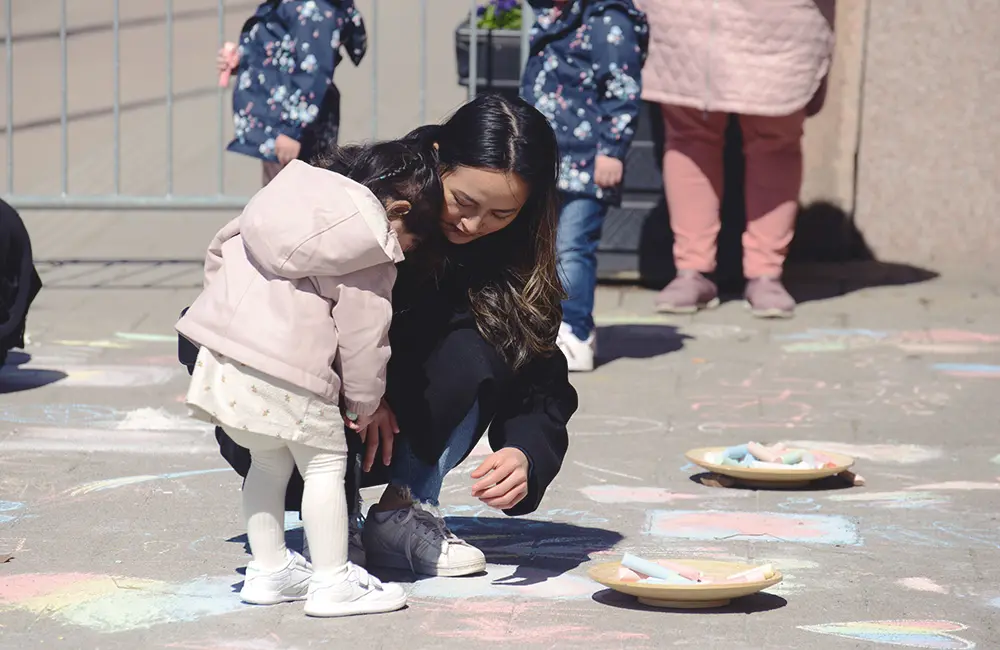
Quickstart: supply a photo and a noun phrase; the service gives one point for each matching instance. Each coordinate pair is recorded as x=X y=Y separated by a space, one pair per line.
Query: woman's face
x=478 y=202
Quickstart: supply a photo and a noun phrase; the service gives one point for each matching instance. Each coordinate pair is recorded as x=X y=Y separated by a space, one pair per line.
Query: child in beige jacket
x=293 y=326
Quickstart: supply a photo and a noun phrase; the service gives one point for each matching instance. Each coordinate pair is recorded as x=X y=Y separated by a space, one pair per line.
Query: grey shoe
x=767 y=298
x=687 y=293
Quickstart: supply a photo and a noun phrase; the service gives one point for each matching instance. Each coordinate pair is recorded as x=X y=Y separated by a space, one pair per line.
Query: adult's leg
x=423 y=480
x=692 y=178
x=404 y=529
x=772 y=147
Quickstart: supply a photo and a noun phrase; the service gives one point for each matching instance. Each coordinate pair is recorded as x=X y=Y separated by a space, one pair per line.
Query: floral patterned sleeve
x=620 y=50
x=308 y=72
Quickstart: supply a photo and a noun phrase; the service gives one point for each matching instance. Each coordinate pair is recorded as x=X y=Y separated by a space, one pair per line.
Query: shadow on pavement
x=14 y=379
x=637 y=342
x=753 y=604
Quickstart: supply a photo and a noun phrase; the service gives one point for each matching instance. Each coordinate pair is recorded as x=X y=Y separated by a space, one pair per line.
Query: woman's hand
x=381 y=428
x=503 y=479
x=286 y=149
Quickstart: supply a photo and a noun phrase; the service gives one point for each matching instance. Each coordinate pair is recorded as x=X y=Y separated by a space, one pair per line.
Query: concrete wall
x=909 y=142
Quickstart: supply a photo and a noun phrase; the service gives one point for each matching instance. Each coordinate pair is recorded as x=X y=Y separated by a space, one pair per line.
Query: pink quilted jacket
x=299 y=287
x=753 y=57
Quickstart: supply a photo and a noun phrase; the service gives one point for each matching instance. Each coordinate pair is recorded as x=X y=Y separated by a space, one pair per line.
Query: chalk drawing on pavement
x=10 y=510
x=918 y=583
x=113 y=483
x=936 y=635
x=899 y=499
x=888 y=454
x=705 y=525
x=613 y=425
x=969 y=370
x=108 y=604
x=938 y=341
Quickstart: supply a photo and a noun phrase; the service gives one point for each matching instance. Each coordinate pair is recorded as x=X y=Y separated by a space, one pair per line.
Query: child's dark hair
x=395 y=170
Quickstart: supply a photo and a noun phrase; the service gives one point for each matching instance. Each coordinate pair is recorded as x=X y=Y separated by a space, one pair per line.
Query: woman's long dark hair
x=514 y=287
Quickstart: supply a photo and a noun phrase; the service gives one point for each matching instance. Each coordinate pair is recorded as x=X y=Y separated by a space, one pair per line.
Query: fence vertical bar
x=473 y=49
x=220 y=163
x=116 y=100
x=423 y=61
x=374 y=59
x=527 y=20
x=9 y=46
x=170 y=95
x=64 y=104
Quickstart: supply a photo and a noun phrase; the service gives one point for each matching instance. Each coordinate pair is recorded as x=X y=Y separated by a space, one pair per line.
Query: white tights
x=324 y=506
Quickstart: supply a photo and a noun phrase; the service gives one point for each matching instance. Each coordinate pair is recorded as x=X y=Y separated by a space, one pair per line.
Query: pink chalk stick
x=682 y=570
x=756 y=574
x=224 y=78
x=764 y=453
x=628 y=575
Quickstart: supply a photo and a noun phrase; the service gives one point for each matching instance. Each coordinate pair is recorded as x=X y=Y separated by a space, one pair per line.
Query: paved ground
x=124 y=529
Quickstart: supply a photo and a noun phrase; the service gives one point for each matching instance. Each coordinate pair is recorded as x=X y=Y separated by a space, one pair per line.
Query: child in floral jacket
x=584 y=76
x=285 y=105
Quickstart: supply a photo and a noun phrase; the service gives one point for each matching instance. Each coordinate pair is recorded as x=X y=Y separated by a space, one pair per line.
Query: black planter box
x=498 y=53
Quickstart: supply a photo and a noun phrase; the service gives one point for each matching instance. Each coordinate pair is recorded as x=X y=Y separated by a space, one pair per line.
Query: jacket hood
x=310 y=221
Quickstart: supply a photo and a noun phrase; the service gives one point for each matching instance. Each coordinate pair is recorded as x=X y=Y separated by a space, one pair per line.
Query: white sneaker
x=353 y=592
x=291 y=582
x=579 y=354
x=416 y=538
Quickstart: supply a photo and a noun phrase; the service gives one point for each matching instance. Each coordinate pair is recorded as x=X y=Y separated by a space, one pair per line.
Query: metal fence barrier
x=169 y=200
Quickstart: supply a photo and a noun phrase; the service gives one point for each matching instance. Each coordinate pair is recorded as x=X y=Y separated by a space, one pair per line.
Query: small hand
x=227 y=60
x=359 y=423
x=286 y=149
x=607 y=171
x=383 y=428
x=503 y=479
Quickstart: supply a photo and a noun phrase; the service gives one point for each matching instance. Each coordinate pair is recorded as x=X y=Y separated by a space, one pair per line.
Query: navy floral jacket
x=584 y=75
x=288 y=52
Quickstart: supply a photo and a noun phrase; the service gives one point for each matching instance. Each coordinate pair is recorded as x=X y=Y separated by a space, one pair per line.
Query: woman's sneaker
x=353 y=592
x=290 y=582
x=416 y=538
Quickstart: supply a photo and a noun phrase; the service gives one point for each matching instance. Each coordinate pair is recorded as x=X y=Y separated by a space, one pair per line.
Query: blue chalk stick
x=736 y=453
x=653 y=570
x=730 y=462
x=748 y=460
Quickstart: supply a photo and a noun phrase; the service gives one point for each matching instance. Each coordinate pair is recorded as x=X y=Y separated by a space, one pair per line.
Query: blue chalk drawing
x=9 y=506
x=60 y=414
x=968 y=369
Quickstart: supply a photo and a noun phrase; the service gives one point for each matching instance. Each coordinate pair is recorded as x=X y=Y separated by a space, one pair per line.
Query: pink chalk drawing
x=270 y=642
x=922 y=584
x=588 y=424
x=889 y=454
x=507 y=622
x=964 y=486
x=760 y=526
x=935 y=635
x=633 y=494
x=116 y=604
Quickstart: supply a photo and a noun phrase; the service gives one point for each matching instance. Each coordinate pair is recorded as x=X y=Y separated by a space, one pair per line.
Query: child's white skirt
x=236 y=396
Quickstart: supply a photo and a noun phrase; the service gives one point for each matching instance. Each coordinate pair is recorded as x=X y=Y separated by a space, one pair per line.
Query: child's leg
x=773 y=150
x=324 y=508
x=271 y=465
x=576 y=246
x=269 y=170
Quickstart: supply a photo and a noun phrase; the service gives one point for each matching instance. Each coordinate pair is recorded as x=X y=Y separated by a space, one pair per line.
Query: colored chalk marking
x=969 y=370
x=935 y=635
x=713 y=525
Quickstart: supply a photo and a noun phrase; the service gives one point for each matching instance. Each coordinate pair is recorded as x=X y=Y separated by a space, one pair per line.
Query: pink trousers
x=692 y=175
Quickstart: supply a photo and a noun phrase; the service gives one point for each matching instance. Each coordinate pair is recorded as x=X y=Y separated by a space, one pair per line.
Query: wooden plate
x=693 y=596
x=768 y=475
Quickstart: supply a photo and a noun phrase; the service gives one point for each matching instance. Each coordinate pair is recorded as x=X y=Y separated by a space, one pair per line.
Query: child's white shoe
x=579 y=353
x=353 y=592
x=290 y=582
